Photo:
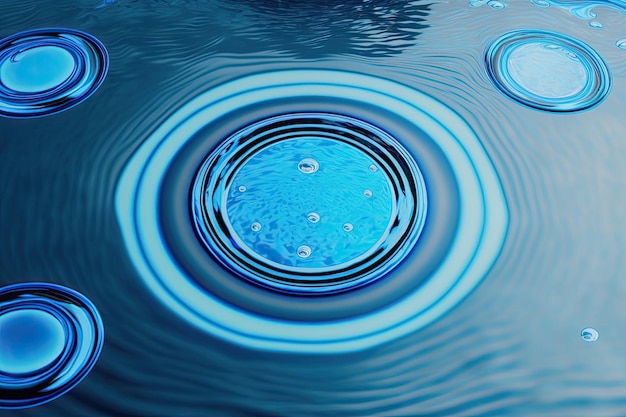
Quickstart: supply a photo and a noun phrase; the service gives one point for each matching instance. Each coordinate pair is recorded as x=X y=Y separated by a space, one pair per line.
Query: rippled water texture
x=296 y=208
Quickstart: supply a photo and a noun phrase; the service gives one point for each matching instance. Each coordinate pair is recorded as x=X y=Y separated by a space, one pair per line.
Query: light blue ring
x=479 y=239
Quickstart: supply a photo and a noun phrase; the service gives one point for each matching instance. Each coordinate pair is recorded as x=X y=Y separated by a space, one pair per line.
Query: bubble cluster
x=46 y=71
x=547 y=71
x=51 y=338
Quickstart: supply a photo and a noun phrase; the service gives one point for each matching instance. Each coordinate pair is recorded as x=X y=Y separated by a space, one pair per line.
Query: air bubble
x=589 y=334
x=496 y=5
x=313 y=217
x=308 y=165
x=373 y=168
x=304 y=251
x=367 y=193
x=596 y=25
x=256 y=226
x=621 y=44
x=347 y=227
x=242 y=188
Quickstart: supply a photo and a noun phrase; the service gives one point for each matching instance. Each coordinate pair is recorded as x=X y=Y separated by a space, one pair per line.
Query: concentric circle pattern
x=252 y=161
x=310 y=203
x=547 y=71
x=51 y=337
x=46 y=71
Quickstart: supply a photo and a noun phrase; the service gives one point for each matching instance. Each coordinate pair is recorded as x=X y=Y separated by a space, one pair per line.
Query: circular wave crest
x=229 y=160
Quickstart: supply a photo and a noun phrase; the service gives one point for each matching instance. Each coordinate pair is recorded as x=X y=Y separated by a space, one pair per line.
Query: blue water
x=174 y=168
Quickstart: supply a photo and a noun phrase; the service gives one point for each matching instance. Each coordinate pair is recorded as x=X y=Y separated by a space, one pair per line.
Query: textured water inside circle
x=547 y=71
x=31 y=339
x=280 y=196
x=304 y=176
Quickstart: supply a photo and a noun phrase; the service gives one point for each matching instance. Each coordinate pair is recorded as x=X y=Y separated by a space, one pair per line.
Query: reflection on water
x=169 y=352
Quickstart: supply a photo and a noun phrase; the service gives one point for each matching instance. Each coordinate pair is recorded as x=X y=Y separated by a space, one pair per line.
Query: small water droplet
x=304 y=251
x=256 y=226
x=347 y=227
x=477 y=3
x=367 y=193
x=595 y=24
x=313 y=217
x=242 y=188
x=621 y=44
x=308 y=165
x=373 y=168
x=496 y=5
x=589 y=334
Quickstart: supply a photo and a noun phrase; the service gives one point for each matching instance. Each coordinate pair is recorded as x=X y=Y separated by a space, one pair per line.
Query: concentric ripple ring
x=275 y=155
x=479 y=236
x=547 y=71
x=51 y=338
x=46 y=71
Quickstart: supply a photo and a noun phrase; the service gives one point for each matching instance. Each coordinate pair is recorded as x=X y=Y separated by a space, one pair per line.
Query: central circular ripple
x=46 y=71
x=279 y=123
x=311 y=203
x=547 y=71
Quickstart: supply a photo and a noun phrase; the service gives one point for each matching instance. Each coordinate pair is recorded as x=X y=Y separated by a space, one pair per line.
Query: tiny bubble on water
x=589 y=334
x=496 y=5
x=313 y=217
x=540 y=3
x=595 y=24
x=373 y=168
x=367 y=193
x=308 y=165
x=304 y=251
x=242 y=188
x=256 y=226
x=347 y=227
x=621 y=44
